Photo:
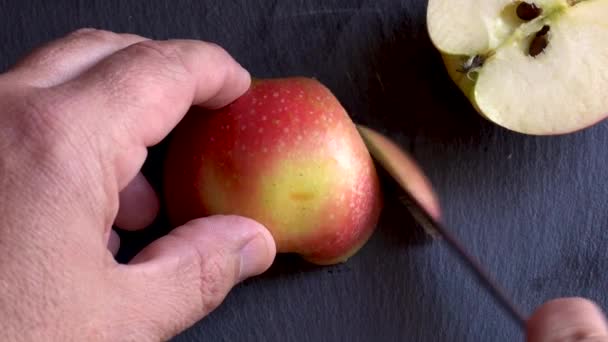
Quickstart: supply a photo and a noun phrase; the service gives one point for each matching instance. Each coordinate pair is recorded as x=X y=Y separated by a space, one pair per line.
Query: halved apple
x=538 y=67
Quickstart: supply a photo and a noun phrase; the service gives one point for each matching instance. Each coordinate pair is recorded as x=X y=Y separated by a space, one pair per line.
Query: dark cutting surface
x=534 y=210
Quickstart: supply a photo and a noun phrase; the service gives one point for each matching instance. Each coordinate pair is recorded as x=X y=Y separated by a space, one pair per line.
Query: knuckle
x=214 y=279
x=158 y=60
x=35 y=132
x=91 y=34
x=209 y=272
x=39 y=117
x=42 y=121
x=215 y=49
x=160 y=53
x=51 y=53
x=216 y=55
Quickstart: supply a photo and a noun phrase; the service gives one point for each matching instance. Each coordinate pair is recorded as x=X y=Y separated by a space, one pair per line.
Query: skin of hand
x=77 y=117
x=568 y=320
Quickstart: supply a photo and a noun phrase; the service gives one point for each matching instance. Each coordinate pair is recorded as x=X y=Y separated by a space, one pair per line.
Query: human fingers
x=568 y=320
x=134 y=98
x=182 y=277
x=67 y=57
x=138 y=204
x=63 y=59
x=113 y=241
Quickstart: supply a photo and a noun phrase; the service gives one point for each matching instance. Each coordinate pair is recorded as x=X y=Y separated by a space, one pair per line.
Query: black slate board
x=532 y=209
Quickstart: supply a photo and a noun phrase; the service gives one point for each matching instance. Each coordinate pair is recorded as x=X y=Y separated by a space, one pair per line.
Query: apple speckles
x=275 y=94
x=290 y=162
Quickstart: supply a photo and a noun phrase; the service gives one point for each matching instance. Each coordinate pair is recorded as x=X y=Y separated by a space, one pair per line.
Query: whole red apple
x=286 y=154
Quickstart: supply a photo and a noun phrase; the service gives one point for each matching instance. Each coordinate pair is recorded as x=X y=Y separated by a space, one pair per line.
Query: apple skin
x=285 y=154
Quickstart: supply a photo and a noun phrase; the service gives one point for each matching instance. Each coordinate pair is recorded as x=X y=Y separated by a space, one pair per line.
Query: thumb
x=182 y=277
x=568 y=319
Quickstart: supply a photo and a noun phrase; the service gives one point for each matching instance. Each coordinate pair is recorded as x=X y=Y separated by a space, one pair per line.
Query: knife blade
x=422 y=203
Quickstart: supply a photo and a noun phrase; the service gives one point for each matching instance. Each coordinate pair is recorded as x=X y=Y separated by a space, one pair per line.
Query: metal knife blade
x=423 y=205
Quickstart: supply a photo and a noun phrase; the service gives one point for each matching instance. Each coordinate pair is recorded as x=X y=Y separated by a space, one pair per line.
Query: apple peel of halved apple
x=545 y=75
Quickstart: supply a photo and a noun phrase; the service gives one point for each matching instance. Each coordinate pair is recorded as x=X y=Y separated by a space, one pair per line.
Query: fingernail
x=256 y=257
x=85 y=30
x=245 y=77
x=113 y=242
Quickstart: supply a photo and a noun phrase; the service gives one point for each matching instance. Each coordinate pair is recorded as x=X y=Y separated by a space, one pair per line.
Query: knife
x=422 y=203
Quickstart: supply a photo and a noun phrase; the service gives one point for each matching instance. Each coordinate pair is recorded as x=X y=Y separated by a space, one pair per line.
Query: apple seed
x=543 y=31
x=540 y=42
x=527 y=11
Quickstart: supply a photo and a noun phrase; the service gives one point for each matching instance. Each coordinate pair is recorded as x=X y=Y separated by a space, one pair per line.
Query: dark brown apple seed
x=543 y=31
x=540 y=41
x=527 y=11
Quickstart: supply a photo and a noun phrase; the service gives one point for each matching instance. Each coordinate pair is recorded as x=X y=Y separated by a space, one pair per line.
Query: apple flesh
x=537 y=67
x=286 y=154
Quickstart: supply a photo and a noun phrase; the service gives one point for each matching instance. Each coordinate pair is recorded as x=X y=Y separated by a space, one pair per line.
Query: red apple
x=286 y=154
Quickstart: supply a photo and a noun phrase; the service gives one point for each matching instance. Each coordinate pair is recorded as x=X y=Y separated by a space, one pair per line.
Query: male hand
x=568 y=320
x=76 y=117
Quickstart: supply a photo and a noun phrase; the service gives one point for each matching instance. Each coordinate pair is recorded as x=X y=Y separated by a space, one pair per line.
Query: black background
x=532 y=209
